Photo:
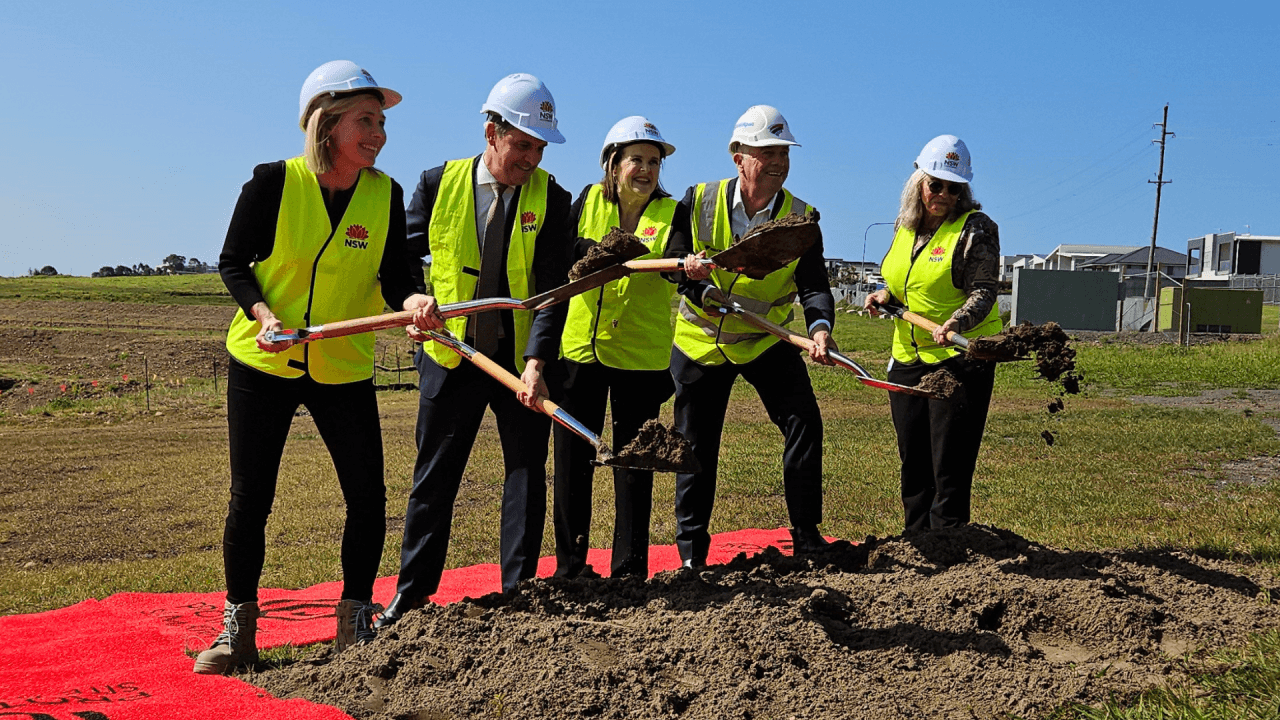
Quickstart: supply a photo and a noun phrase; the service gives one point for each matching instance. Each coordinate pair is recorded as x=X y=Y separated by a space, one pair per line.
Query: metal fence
x=1268 y=284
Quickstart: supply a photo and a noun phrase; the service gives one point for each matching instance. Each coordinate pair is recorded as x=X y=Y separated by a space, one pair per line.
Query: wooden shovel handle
x=504 y=376
x=355 y=326
x=926 y=324
x=656 y=265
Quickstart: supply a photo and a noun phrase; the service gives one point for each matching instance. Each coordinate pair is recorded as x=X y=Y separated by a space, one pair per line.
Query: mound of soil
x=659 y=448
x=940 y=382
x=960 y=623
x=615 y=248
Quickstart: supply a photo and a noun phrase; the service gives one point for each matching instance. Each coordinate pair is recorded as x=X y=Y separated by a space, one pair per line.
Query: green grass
x=104 y=497
x=155 y=289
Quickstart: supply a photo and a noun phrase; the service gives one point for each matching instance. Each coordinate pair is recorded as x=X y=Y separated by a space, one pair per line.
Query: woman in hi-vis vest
x=617 y=344
x=944 y=264
x=314 y=239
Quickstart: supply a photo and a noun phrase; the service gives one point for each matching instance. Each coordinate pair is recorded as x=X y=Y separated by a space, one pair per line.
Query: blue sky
x=130 y=127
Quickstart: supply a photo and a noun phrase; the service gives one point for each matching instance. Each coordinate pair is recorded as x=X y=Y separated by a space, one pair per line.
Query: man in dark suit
x=495 y=225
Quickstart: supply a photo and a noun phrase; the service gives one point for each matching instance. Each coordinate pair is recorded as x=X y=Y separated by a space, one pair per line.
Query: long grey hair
x=911 y=211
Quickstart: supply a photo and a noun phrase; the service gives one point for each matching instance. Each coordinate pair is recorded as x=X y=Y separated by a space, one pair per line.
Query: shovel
x=395 y=319
x=978 y=348
x=805 y=343
x=755 y=256
x=604 y=455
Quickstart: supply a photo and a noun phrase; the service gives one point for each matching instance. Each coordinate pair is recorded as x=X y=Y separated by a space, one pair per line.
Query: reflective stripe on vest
x=317 y=273
x=925 y=288
x=713 y=339
x=455 y=251
x=627 y=323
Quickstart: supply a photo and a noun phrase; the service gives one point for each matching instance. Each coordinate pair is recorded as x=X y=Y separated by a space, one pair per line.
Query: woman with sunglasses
x=944 y=264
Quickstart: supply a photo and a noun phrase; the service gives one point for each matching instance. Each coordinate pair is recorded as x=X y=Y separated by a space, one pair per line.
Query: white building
x=1218 y=256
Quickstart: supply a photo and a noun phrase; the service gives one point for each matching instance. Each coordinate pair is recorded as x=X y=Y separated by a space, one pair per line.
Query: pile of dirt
x=657 y=447
x=615 y=248
x=941 y=382
x=960 y=623
x=770 y=246
x=1049 y=344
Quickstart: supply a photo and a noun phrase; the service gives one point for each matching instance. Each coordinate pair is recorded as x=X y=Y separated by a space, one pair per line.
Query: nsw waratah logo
x=953 y=159
x=357 y=237
x=528 y=221
x=548 y=111
x=937 y=255
x=650 y=231
x=650 y=130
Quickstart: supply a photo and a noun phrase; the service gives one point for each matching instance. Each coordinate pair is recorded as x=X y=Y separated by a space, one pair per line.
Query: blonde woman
x=314 y=239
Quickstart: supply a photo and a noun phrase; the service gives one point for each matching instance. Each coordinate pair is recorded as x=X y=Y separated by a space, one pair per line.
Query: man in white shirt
x=712 y=350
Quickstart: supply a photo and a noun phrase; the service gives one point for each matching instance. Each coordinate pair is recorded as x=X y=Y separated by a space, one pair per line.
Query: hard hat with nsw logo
x=636 y=128
x=761 y=126
x=525 y=102
x=336 y=77
x=946 y=158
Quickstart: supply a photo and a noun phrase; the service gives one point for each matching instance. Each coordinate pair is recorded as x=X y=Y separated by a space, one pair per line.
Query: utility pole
x=1159 y=182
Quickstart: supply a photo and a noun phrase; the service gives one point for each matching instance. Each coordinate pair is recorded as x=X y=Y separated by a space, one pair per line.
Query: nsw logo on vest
x=937 y=255
x=650 y=231
x=357 y=237
x=528 y=221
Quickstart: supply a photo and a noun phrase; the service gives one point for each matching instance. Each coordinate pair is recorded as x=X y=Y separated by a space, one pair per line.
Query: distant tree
x=48 y=270
x=176 y=263
x=105 y=271
x=123 y=270
x=142 y=269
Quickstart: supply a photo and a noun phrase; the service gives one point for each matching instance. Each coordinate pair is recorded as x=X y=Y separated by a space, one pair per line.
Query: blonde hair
x=326 y=111
x=911 y=208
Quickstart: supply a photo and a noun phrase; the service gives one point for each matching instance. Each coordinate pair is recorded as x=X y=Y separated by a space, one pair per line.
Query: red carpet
x=122 y=658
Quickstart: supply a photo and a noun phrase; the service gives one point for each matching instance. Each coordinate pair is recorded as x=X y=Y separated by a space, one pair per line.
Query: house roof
x=1093 y=249
x=1164 y=256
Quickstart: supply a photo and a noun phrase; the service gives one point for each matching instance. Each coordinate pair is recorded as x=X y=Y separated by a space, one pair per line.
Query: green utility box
x=1210 y=310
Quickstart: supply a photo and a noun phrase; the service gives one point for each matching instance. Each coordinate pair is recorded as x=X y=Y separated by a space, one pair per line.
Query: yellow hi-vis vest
x=627 y=323
x=455 y=251
x=711 y=339
x=925 y=288
x=316 y=274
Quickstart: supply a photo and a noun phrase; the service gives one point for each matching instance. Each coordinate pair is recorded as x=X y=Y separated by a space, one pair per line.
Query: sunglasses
x=953 y=189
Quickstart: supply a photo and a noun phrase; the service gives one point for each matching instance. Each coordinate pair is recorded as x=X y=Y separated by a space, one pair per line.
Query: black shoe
x=807 y=540
x=400 y=605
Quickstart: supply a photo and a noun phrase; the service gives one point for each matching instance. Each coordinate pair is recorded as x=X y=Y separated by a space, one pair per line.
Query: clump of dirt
x=659 y=448
x=615 y=248
x=770 y=246
x=1049 y=344
x=940 y=382
x=1049 y=437
x=789 y=221
x=957 y=623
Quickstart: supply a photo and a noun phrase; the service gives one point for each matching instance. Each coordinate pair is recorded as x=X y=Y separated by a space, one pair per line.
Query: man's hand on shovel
x=534 y=386
x=822 y=342
x=426 y=316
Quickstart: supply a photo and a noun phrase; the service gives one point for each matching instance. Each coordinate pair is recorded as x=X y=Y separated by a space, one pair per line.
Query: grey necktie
x=487 y=326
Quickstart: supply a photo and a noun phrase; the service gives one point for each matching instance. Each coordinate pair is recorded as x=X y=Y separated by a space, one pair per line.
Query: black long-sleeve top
x=551 y=255
x=251 y=237
x=812 y=284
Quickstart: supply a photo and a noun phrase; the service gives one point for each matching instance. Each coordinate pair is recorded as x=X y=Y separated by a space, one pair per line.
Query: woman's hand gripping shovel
x=604 y=455
x=729 y=307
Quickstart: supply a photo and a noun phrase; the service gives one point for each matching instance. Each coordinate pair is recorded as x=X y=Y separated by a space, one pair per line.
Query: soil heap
x=657 y=447
x=959 y=623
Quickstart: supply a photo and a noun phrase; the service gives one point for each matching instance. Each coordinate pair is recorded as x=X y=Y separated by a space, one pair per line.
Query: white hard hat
x=525 y=102
x=946 y=158
x=636 y=128
x=760 y=126
x=339 y=76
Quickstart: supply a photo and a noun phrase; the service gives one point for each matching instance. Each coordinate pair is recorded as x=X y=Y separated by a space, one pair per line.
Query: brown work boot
x=355 y=624
x=238 y=643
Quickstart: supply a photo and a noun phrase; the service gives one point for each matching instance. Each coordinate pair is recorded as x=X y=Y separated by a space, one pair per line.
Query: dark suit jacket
x=551 y=261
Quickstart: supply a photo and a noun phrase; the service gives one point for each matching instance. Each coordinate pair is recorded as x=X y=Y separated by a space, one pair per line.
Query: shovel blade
x=768 y=250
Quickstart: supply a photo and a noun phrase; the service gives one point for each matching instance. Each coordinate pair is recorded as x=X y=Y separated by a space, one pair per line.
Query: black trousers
x=938 y=441
x=260 y=410
x=446 y=431
x=637 y=396
x=702 y=398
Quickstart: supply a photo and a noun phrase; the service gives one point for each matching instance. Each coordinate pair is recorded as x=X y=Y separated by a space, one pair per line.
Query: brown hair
x=610 y=185
x=326 y=111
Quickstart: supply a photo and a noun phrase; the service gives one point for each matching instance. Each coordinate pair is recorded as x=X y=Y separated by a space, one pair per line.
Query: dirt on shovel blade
x=615 y=248
x=658 y=448
x=940 y=382
x=773 y=245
